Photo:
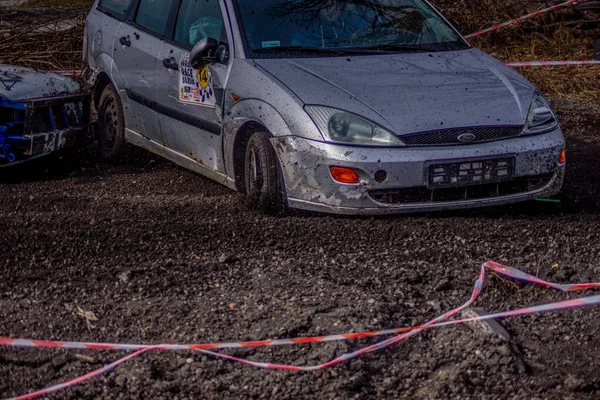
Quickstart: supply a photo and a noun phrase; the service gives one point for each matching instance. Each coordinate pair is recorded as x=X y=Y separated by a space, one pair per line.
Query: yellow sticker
x=203 y=77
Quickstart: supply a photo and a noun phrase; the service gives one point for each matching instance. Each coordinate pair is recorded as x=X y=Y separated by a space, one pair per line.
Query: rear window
x=117 y=8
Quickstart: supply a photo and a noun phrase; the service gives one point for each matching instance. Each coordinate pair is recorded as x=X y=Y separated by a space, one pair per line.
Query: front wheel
x=264 y=182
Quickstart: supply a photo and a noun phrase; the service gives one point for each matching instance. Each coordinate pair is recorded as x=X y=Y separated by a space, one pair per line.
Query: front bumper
x=309 y=185
x=35 y=128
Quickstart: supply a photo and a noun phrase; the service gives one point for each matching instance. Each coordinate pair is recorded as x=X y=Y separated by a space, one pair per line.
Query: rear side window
x=153 y=15
x=198 y=19
x=117 y=8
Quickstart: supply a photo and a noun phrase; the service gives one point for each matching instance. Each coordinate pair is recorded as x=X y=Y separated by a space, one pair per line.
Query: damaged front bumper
x=309 y=185
x=34 y=128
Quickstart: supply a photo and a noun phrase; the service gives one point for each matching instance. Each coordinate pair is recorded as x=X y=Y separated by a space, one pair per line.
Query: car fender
x=244 y=113
x=103 y=63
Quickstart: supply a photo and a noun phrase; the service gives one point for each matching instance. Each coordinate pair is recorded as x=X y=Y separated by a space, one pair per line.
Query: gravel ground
x=159 y=255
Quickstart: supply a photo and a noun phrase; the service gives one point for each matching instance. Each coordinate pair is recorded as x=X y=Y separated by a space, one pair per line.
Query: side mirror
x=203 y=53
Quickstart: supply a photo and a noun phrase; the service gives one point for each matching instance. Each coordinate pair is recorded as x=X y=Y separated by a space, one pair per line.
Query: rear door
x=138 y=44
x=190 y=100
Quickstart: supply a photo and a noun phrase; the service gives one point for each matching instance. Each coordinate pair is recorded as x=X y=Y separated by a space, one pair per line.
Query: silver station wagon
x=336 y=106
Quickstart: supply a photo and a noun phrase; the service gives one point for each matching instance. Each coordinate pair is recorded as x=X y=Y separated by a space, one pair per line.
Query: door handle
x=125 y=41
x=171 y=63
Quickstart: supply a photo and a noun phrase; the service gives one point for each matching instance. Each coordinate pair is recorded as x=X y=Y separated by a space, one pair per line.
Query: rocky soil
x=159 y=255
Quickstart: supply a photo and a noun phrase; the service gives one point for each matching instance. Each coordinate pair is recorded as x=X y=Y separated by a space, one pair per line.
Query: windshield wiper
x=389 y=48
x=375 y=49
x=299 y=49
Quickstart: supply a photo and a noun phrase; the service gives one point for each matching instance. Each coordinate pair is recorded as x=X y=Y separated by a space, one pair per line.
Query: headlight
x=343 y=127
x=541 y=118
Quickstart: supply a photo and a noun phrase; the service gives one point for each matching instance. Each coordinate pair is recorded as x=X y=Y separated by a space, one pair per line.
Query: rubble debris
x=88 y=316
x=227 y=259
x=489 y=327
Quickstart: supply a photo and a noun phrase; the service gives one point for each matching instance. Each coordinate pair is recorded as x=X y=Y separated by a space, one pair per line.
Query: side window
x=117 y=8
x=198 y=19
x=153 y=15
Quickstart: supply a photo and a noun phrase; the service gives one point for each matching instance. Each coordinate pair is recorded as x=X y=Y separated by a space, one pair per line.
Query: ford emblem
x=466 y=137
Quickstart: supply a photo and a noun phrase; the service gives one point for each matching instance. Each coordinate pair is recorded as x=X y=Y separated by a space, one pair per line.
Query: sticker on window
x=272 y=43
x=195 y=86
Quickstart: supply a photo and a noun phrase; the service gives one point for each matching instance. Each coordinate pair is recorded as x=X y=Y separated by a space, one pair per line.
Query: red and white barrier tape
x=403 y=333
x=526 y=17
x=71 y=73
x=77 y=381
x=77 y=73
x=551 y=63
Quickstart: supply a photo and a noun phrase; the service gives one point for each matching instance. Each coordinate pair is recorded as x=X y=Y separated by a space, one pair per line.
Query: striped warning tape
x=402 y=333
x=83 y=378
x=526 y=17
x=551 y=63
x=72 y=73
x=76 y=73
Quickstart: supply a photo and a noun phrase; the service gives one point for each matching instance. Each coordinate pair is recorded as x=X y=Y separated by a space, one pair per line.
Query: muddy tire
x=111 y=124
x=263 y=179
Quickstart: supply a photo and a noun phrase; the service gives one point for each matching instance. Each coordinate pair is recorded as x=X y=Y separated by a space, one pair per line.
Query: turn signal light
x=562 y=158
x=344 y=175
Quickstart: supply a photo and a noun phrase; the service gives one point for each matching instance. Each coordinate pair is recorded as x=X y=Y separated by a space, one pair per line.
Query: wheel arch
x=102 y=81
x=244 y=119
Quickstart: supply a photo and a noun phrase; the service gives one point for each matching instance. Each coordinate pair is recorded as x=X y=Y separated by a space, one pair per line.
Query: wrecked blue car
x=40 y=113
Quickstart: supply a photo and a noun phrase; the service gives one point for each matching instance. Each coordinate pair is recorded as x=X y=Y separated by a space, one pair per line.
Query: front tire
x=263 y=178
x=111 y=123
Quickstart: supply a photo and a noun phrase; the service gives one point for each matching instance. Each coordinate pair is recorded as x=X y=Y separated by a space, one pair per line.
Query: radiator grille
x=462 y=136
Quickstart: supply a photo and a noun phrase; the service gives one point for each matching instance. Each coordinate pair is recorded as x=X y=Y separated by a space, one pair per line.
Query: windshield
x=294 y=27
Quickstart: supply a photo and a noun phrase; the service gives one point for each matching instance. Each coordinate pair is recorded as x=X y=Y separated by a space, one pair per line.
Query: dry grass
x=44 y=39
x=565 y=82
x=553 y=37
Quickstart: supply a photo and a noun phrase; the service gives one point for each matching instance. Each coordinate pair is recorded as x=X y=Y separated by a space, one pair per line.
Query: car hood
x=413 y=92
x=20 y=84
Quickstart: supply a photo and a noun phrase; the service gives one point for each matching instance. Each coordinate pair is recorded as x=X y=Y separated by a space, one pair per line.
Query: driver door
x=190 y=101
